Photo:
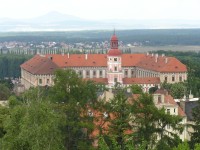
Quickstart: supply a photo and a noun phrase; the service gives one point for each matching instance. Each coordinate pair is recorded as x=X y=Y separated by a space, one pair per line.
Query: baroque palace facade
x=147 y=70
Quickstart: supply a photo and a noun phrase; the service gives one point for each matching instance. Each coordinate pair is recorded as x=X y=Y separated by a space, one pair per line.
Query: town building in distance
x=147 y=70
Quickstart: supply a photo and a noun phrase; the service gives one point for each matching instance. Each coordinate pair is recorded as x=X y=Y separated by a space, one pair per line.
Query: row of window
x=126 y=73
x=115 y=59
x=41 y=81
x=173 y=78
x=94 y=73
x=140 y=73
x=146 y=74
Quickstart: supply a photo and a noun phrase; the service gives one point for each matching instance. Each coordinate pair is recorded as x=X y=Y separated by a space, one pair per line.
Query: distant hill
x=55 y=21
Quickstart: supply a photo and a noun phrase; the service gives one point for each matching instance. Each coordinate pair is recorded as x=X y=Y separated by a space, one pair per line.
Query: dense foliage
x=145 y=36
x=33 y=119
x=10 y=65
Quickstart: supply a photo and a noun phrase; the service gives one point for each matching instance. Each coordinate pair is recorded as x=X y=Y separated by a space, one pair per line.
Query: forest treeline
x=70 y=116
x=10 y=65
x=147 y=37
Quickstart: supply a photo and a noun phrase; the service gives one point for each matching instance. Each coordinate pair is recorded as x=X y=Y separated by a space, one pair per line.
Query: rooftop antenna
x=114 y=31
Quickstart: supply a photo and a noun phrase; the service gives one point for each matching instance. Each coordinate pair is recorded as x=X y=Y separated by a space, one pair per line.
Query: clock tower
x=114 y=61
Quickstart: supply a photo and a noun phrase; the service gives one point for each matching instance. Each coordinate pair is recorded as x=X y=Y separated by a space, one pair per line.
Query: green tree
x=136 y=89
x=177 y=90
x=4 y=112
x=150 y=124
x=4 y=92
x=75 y=97
x=197 y=146
x=195 y=136
x=182 y=146
x=168 y=138
x=153 y=89
x=33 y=125
x=145 y=114
x=120 y=108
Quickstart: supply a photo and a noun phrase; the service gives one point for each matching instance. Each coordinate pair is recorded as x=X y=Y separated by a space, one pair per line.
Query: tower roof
x=114 y=51
x=114 y=38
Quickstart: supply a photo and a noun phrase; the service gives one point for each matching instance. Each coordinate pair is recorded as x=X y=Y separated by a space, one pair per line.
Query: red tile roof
x=100 y=60
x=98 y=80
x=162 y=64
x=114 y=38
x=114 y=52
x=168 y=99
x=79 y=60
x=39 y=65
x=150 y=80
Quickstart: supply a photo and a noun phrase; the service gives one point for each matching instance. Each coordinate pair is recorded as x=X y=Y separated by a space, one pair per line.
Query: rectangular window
x=115 y=68
x=180 y=78
x=173 y=78
x=166 y=79
x=40 y=81
x=87 y=74
x=126 y=73
x=168 y=111
x=80 y=73
x=132 y=73
x=94 y=73
x=100 y=73
x=174 y=110
x=115 y=80
x=47 y=81
x=115 y=59
x=159 y=99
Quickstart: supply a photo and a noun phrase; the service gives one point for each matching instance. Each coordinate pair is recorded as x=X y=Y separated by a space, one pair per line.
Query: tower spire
x=114 y=41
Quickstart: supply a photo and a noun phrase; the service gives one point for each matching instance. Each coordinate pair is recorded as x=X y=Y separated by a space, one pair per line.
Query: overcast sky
x=103 y=9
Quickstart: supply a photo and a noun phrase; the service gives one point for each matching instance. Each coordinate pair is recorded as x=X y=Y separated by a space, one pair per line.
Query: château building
x=147 y=70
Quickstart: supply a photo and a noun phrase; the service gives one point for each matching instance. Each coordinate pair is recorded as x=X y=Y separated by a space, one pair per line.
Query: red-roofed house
x=143 y=69
x=163 y=99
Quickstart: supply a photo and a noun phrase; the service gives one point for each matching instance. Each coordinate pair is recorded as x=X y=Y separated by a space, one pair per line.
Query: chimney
x=50 y=57
x=182 y=104
x=68 y=55
x=147 y=53
x=166 y=60
x=152 y=54
x=86 y=56
x=163 y=55
x=62 y=54
x=156 y=58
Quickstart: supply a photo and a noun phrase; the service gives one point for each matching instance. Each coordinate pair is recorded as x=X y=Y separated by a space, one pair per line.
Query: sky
x=103 y=9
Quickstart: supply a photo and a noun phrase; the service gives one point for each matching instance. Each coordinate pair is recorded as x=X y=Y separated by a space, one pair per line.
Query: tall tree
x=4 y=92
x=33 y=124
x=151 y=122
x=195 y=136
x=74 y=96
x=145 y=114
x=120 y=109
